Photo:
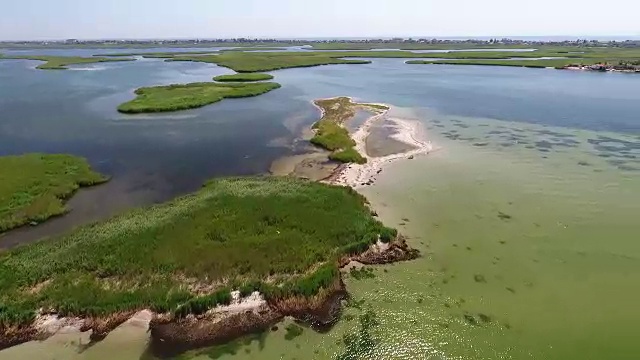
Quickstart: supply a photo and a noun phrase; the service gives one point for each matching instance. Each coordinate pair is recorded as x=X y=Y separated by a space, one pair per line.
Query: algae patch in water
x=293 y=331
x=363 y=273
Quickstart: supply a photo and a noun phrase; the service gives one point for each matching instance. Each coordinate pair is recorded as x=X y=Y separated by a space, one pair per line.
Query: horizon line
x=317 y=38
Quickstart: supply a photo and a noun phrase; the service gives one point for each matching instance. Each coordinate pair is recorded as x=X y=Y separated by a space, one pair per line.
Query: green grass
x=409 y=46
x=554 y=63
x=232 y=230
x=243 y=77
x=190 y=96
x=61 y=62
x=331 y=135
x=33 y=187
x=269 y=61
x=348 y=155
x=574 y=55
x=243 y=62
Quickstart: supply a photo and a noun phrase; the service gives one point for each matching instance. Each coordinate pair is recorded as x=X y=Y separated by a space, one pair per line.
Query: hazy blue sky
x=41 y=19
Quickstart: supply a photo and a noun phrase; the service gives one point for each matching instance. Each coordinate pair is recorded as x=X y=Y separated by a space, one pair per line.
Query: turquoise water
x=526 y=216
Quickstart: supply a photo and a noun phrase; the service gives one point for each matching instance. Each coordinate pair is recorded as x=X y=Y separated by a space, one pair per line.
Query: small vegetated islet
x=243 y=77
x=189 y=96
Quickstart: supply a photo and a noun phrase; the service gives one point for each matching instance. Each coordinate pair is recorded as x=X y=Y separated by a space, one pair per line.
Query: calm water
x=151 y=157
x=527 y=216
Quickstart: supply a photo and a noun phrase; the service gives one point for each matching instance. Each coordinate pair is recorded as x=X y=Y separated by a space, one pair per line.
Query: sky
x=116 y=19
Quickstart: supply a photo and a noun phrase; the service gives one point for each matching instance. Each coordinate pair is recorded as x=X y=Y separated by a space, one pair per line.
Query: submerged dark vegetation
x=61 y=62
x=280 y=236
x=189 y=96
x=33 y=187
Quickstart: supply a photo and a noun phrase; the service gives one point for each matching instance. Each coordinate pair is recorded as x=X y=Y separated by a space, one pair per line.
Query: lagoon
x=527 y=214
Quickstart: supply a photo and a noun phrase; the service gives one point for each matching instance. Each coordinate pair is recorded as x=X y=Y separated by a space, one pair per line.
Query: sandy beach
x=406 y=131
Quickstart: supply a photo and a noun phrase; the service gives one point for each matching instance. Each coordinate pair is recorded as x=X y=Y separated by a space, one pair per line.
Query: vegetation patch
x=33 y=187
x=189 y=96
x=243 y=77
x=541 y=63
x=281 y=236
x=61 y=62
x=370 y=45
x=268 y=61
x=363 y=273
x=242 y=61
x=349 y=155
x=332 y=135
x=293 y=331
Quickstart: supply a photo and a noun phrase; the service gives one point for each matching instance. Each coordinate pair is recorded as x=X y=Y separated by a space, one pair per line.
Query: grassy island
x=61 y=62
x=33 y=187
x=281 y=236
x=331 y=133
x=243 y=77
x=244 y=62
x=190 y=96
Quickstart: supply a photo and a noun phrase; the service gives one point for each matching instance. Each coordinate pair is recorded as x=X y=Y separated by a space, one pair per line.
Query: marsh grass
x=33 y=187
x=61 y=62
x=244 y=62
x=544 y=63
x=243 y=77
x=189 y=96
x=349 y=155
x=269 y=61
x=279 y=229
x=330 y=133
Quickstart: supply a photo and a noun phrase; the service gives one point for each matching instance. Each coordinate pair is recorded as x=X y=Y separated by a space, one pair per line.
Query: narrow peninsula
x=34 y=187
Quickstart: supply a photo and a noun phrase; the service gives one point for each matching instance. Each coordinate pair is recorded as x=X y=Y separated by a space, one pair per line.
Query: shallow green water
x=529 y=254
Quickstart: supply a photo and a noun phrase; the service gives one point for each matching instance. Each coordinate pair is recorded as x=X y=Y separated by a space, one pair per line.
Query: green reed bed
x=232 y=231
x=61 y=62
x=243 y=77
x=33 y=187
x=189 y=96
